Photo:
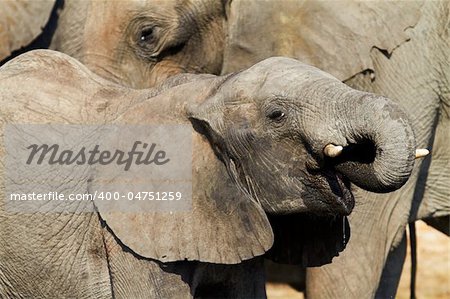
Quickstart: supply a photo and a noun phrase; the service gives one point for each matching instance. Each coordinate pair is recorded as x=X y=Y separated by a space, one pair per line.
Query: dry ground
x=433 y=271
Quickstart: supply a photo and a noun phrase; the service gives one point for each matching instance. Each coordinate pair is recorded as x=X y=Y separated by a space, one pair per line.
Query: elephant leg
x=390 y=277
x=432 y=202
x=294 y=275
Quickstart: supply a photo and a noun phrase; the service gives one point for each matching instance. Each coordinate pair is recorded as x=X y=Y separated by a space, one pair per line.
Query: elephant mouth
x=338 y=196
x=340 y=186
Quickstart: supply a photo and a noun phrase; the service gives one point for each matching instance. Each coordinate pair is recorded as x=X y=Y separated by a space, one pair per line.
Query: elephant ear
x=308 y=240
x=21 y=21
x=335 y=36
x=221 y=226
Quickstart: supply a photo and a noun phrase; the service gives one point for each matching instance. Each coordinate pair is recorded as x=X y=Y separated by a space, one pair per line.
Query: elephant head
x=139 y=43
x=293 y=138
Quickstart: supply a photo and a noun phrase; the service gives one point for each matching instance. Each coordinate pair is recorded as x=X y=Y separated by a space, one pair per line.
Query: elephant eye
x=276 y=115
x=147 y=35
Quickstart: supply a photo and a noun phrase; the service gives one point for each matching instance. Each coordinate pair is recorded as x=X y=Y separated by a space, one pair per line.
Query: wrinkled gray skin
x=139 y=43
x=82 y=35
x=130 y=42
x=398 y=49
x=248 y=114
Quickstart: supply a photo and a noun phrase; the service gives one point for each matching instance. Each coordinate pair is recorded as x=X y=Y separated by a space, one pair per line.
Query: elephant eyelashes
x=276 y=115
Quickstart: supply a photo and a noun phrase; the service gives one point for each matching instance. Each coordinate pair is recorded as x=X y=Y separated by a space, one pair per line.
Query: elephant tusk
x=421 y=152
x=332 y=150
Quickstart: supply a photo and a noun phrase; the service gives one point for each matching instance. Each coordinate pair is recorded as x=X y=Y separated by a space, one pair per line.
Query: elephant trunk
x=380 y=149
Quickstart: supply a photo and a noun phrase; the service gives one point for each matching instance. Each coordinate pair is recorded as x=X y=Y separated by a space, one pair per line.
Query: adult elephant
x=261 y=144
x=398 y=49
x=133 y=43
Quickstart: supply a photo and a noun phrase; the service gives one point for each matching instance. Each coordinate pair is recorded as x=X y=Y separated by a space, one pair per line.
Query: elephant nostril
x=363 y=152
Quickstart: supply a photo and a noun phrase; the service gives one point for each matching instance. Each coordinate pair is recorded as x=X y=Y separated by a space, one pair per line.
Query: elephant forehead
x=281 y=72
x=281 y=77
x=288 y=67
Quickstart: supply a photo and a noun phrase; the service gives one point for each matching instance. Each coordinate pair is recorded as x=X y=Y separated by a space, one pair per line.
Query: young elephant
x=278 y=138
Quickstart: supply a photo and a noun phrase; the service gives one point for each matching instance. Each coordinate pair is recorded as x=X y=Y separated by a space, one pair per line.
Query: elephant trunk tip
x=372 y=165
